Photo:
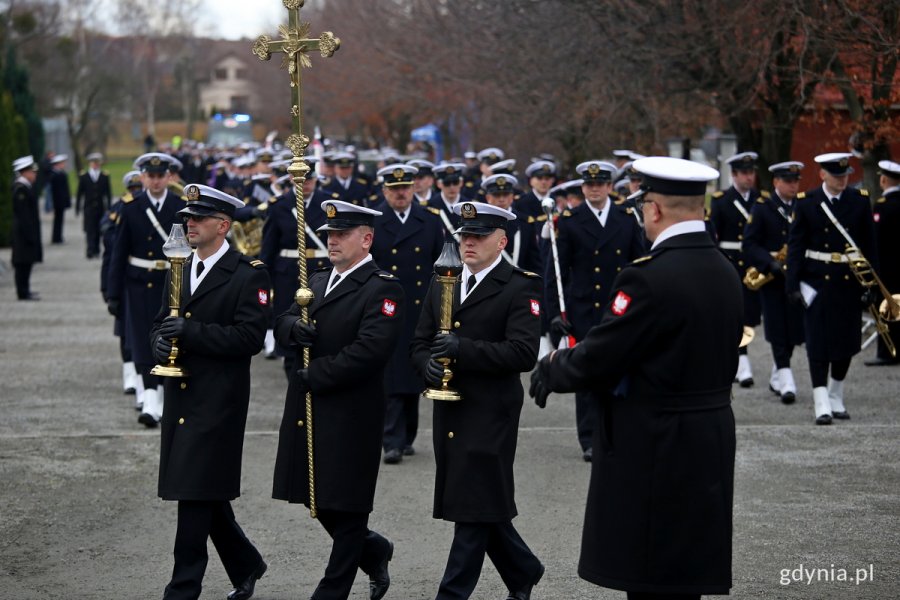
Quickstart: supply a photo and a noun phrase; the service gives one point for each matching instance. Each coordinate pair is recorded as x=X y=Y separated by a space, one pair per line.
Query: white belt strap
x=837 y=225
x=514 y=259
x=730 y=245
x=741 y=209
x=310 y=253
x=153 y=265
x=312 y=234
x=828 y=257
x=447 y=224
x=155 y=222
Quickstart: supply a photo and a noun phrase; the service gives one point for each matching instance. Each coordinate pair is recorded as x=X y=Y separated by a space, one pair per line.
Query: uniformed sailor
x=521 y=233
x=93 y=196
x=450 y=177
x=26 y=226
x=541 y=175
x=886 y=214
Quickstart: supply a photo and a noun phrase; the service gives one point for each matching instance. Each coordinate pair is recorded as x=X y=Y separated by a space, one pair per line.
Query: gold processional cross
x=294 y=44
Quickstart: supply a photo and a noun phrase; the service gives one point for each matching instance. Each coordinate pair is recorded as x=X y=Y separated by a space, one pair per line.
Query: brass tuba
x=889 y=308
x=754 y=280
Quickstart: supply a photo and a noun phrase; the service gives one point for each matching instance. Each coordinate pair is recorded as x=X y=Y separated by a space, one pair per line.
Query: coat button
x=740 y=236
x=847 y=277
x=597 y=287
x=150 y=284
x=187 y=315
x=618 y=269
x=418 y=267
x=393 y=251
x=619 y=251
x=394 y=268
x=740 y=263
x=828 y=278
x=299 y=423
x=596 y=253
x=418 y=302
x=181 y=421
x=183 y=385
x=149 y=238
x=596 y=269
x=457 y=324
x=450 y=435
x=417 y=249
x=596 y=305
x=826 y=230
x=826 y=245
x=149 y=254
x=419 y=283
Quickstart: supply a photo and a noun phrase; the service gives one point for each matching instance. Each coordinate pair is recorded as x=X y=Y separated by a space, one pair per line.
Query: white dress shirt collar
x=208 y=264
x=679 y=229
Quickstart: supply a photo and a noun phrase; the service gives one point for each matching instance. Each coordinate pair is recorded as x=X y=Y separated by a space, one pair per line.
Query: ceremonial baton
x=548 y=204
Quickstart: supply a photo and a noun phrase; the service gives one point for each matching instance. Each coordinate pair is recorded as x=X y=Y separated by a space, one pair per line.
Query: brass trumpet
x=754 y=280
x=247 y=236
x=889 y=308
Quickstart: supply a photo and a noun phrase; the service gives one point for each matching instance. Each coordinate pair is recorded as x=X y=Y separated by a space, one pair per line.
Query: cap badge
x=594 y=169
x=794 y=169
x=331 y=211
x=192 y=192
x=450 y=171
x=468 y=211
x=398 y=173
x=492 y=156
x=501 y=182
x=844 y=162
x=155 y=161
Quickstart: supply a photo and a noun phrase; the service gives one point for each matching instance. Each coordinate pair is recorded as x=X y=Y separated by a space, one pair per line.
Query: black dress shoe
x=408 y=451
x=788 y=398
x=840 y=414
x=380 y=579
x=392 y=456
x=745 y=383
x=147 y=420
x=245 y=590
x=881 y=362
x=525 y=592
x=588 y=455
x=823 y=420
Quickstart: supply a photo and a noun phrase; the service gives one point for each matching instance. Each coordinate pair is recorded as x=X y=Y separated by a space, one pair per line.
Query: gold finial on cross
x=295 y=43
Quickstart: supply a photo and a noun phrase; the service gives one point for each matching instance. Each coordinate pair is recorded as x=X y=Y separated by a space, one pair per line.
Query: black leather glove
x=445 y=345
x=796 y=298
x=303 y=334
x=303 y=381
x=112 y=307
x=161 y=350
x=776 y=268
x=171 y=328
x=559 y=329
x=434 y=373
x=538 y=388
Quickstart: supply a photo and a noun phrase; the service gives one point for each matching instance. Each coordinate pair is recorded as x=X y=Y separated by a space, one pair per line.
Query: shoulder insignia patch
x=864 y=191
x=530 y=274
x=614 y=194
x=618 y=202
x=335 y=195
x=760 y=200
x=385 y=275
x=469 y=184
x=541 y=218
x=801 y=195
x=718 y=194
x=127 y=198
x=433 y=210
x=881 y=200
x=257 y=263
x=642 y=259
x=765 y=194
x=531 y=219
x=361 y=180
x=567 y=213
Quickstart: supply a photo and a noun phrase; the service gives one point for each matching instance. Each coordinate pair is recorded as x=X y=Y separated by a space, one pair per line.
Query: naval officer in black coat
x=408 y=239
x=658 y=521
x=765 y=248
x=819 y=275
x=886 y=214
x=356 y=317
x=93 y=196
x=496 y=326
x=26 y=226
x=225 y=311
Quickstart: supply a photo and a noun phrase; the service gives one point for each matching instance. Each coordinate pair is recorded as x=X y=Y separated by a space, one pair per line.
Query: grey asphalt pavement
x=79 y=516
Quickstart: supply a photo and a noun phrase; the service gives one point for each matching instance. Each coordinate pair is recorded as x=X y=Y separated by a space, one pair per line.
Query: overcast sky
x=235 y=19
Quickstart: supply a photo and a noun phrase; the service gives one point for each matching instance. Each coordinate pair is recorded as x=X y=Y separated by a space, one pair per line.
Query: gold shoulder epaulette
x=567 y=213
x=127 y=198
x=263 y=206
x=469 y=184
x=618 y=202
x=628 y=210
x=614 y=194
x=881 y=200
x=540 y=218
x=335 y=195
x=433 y=210
x=361 y=180
x=373 y=197
x=864 y=191
x=385 y=275
x=642 y=259
x=530 y=219
x=801 y=195
x=718 y=194
x=531 y=274
x=273 y=199
x=765 y=194
x=257 y=263
x=114 y=217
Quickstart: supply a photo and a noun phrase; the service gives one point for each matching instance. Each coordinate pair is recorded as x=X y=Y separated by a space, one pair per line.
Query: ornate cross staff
x=294 y=44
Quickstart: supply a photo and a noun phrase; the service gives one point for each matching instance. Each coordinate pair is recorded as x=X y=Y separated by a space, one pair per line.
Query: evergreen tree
x=7 y=156
x=15 y=80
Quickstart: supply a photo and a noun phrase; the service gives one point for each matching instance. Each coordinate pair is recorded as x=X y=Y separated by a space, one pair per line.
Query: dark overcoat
x=659 y=508
x=59 y=189
x=499 y=327
x=765 y=235
x=204 y=415
x=729 y=221
x=590 y=257
x=26 y=225
x=358 y=324
x=832 y=320
x=408 y=251
x=139 y=287
x=886 y=214
x=94 y=197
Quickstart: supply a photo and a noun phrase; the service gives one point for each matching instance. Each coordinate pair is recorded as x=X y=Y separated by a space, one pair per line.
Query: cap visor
x=472 y=230
x=198 y=210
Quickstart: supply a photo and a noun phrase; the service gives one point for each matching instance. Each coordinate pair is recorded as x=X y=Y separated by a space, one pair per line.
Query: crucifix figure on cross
x=294 y=44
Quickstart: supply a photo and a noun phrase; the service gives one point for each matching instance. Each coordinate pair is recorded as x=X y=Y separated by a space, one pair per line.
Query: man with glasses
x=137 y=271
x=496 y=326
x=226 y=309
x=658 y=521
x=596 y=240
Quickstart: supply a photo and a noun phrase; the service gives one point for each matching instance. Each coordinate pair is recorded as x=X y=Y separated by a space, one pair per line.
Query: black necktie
x=200 y=267
x=470 y=283
x=402 y=216
x=334 y=283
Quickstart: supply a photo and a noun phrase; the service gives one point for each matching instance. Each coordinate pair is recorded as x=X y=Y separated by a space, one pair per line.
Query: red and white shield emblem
x=536 y=308
x=263 y=297
x=620 y=303
x=389 y=308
